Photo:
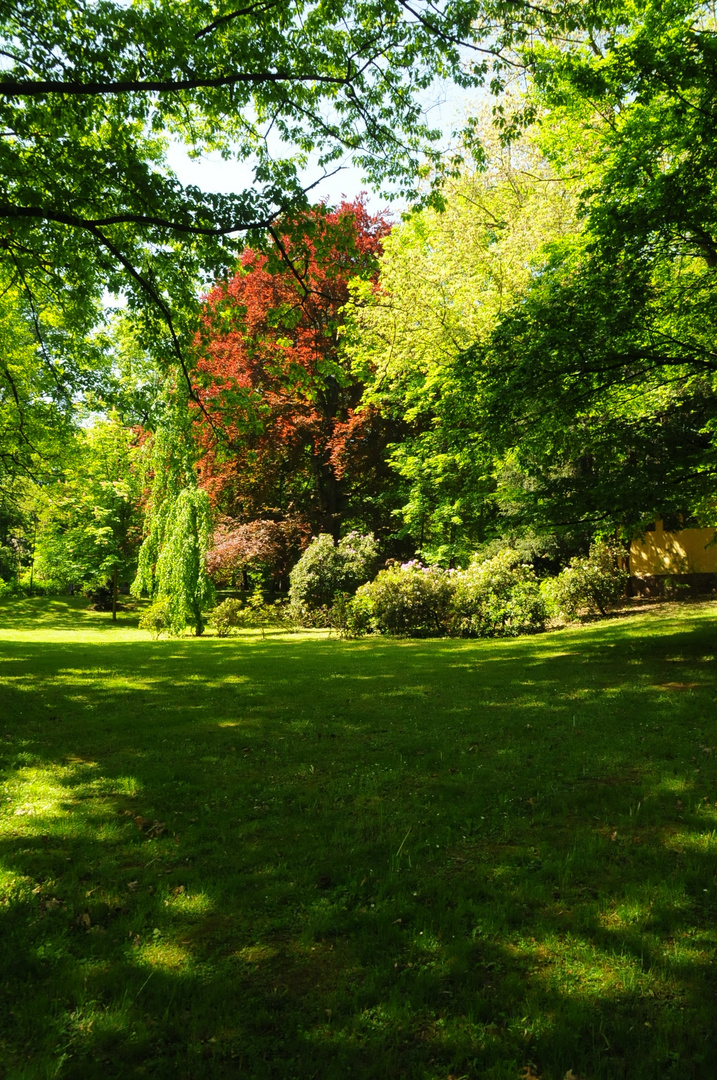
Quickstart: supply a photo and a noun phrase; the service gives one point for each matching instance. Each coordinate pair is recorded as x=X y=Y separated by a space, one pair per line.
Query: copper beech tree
x=281 y=433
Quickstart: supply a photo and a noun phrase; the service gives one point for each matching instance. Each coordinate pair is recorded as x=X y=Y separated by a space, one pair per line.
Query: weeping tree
x=181 y=574
x=172 y=560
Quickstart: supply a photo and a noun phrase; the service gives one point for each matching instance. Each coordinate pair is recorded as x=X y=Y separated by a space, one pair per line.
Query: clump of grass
x=299 y=856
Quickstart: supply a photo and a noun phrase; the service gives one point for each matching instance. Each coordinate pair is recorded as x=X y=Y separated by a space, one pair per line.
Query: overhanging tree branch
x=22 y=88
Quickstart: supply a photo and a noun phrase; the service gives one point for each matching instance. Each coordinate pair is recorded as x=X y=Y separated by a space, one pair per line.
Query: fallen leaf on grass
x=132 y=885
x=155 y=828
x=178 y=890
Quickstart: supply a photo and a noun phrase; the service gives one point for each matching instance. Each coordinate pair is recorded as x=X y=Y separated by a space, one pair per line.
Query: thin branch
x=224 y=19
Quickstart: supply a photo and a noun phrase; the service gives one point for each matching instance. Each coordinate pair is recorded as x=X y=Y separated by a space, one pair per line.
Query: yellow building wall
x=683 y=552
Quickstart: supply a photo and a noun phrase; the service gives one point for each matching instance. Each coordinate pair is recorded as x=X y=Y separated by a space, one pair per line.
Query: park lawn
x=302 y=857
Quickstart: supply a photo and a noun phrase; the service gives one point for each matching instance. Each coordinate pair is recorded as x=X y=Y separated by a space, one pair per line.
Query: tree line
x=526 y=357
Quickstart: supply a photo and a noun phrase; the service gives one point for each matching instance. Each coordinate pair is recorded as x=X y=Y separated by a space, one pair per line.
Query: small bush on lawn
x=232 y=614
x=587 y=585
x=327 y=569
x=155 y=618
x=226 y=616
x=409 y=599
x=499 y=597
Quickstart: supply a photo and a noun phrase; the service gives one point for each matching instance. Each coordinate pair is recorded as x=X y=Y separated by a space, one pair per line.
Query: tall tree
x=278 y=426
x=446 y=278
x=600 y=387
x=89 y=520
x=89 y=96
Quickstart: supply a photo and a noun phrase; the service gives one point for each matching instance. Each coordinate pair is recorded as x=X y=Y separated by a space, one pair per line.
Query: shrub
x=232 y=613
x=327 y=569
x=351 y=615
x=591 y=584
x=499 y=597
x=227 y=615
x=156 y=618
x=409 y=599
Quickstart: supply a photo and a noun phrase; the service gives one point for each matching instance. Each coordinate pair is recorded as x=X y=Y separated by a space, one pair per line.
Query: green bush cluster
x=588 y=585
x=226 y=616
x=409 y=599
x=495 y=597
x=234 y=614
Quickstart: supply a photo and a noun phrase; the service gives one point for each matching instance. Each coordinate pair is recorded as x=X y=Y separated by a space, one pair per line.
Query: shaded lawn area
x=301 y=857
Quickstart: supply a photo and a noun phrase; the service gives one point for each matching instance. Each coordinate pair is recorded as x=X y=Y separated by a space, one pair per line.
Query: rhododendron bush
x=497 y=597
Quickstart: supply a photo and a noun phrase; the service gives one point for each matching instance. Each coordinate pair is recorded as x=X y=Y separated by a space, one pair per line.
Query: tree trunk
x=114 y=595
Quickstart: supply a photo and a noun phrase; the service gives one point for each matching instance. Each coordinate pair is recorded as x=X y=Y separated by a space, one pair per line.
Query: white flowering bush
x=588 y=585
x=409 y=599
x=498 y=597
x=326 y=569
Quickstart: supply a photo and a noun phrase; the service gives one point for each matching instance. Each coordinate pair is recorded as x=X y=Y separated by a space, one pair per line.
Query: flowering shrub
x=591 y=584
x=327 y=569
x=499 y=597
x=409 y=599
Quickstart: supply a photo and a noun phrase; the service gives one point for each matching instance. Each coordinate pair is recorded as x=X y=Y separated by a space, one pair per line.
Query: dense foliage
x=408 y=599
x=89 y=518
x=278 y=428
x=327 y=569
x=591 y=584
x=172 y=562
x=497 y=597
x=525 y=361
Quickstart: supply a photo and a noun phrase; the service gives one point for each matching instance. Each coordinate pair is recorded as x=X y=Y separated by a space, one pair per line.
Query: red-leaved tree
x=285 y=438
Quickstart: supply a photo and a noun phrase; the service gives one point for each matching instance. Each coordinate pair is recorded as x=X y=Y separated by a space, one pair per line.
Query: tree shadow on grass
x=373 y=860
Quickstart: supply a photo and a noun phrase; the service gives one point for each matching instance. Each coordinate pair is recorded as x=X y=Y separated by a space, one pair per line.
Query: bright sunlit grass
x=299 y=857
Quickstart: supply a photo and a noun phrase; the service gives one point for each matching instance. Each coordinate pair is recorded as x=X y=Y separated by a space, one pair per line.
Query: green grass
x=423 y=859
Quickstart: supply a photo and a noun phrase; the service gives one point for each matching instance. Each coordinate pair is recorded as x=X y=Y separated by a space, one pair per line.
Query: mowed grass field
x=302 y=857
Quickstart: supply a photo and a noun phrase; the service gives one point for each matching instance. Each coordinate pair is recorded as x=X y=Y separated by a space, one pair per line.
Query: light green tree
x=446 y=280
x=89 y=519
x=178 y=524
